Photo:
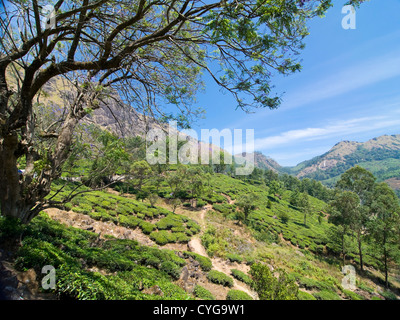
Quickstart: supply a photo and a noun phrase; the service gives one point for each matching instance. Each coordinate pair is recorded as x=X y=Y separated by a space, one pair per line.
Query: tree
x=175 y=203
x=383 y=225
x=275 y=188
x=153 y=198
x=195 y=181
x=346 y=209
x=150 y=53
x=361 y=182
x=246 y=204
x=301 y=201
x=139 y=172
x=269 y=287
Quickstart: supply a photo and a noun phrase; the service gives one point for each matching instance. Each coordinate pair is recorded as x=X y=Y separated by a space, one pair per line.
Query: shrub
x=270 y=287
x=326 y=295
x=162 y=237
x=284 y=216
x=305 y=296
x=171 y=268
x=388 y=295
x=169 y=222
x=238 y=295
x=203 y=293
x=147 y=227
x=241 y=276
x=128 y=221
x=181 y=237
x=200 y=203
x=193 y=226
x=220 y=278
x=205 y=263
x=95 y=215
x=234 y=258
x=352 y=295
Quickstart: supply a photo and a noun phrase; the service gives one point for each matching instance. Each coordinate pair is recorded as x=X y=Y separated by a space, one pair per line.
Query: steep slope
x=263 y=162
x=380 y=155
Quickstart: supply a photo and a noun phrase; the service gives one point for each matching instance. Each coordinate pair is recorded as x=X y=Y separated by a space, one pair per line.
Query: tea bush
x=203 y=293
x=220 y=278
x=237 y=295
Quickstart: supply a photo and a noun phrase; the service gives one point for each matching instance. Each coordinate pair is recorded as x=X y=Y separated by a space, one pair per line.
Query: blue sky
x=349 y=88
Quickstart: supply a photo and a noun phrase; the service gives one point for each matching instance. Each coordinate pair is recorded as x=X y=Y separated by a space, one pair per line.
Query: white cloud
x=338 y=128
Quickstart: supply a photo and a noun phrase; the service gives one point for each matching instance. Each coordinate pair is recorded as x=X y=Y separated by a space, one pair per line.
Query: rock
x=190 y=247
x=155 y=290
x=185 y=274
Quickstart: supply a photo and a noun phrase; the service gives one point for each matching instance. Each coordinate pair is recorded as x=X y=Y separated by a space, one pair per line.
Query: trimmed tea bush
x=234 y=258
x=203 y=293
x=220 y=278
x=205 y=263
x=241 y=276
x=238 y=295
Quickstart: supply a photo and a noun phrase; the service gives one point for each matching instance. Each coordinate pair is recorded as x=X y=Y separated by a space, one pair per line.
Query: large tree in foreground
x=150 y=53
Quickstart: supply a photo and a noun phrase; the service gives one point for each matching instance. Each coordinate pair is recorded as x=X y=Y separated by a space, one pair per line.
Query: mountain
x=379 y=155
x=263 y=162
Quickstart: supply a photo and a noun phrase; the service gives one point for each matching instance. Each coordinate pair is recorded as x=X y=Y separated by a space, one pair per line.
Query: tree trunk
x=343 y=250
x=360 y=250
x=386 y=269
x=10 y=198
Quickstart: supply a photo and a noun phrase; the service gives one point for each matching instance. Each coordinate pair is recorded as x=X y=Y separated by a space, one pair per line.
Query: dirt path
x=219 y=264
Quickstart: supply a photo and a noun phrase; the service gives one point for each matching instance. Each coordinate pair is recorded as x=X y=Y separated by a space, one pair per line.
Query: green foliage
x=220 y=278
x=270 y=288
x=146 y=227
x=241 y=276
x=326 y=295
x=47 y=242
x=232 y=257
x=352 y=295
x=162 y=237
x=305 y=296
x=237 y=295
x=203 y=293
x=388 y=295
x=205 y=262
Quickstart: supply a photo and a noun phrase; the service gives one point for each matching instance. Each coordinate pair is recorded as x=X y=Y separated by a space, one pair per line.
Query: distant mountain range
x=379 y=155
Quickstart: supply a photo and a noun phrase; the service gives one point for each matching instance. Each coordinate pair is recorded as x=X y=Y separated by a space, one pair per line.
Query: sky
x=348 y=89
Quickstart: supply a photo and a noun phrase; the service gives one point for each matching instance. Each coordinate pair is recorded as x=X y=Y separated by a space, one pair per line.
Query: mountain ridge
x=380 y=155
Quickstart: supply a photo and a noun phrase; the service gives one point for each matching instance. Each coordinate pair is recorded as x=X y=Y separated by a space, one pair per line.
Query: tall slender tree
x=383 y=226
x=361 y=182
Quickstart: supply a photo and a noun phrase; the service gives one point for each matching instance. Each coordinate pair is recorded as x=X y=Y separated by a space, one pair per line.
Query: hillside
x=379 y=155
x=110 y=245
x=263 y=162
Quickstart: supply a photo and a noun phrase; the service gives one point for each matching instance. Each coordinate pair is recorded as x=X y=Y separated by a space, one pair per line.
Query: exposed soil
x=82 y=221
